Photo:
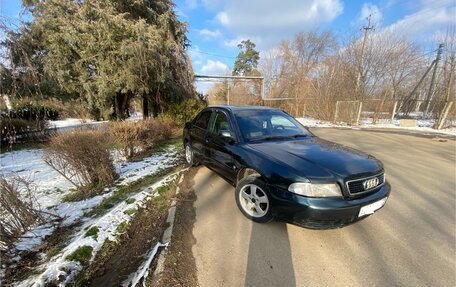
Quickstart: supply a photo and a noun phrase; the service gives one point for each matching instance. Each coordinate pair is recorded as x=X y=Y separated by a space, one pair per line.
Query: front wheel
x=190 y=156
x=252 y=198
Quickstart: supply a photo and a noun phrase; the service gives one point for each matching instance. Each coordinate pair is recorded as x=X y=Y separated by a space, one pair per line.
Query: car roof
x=241 y=108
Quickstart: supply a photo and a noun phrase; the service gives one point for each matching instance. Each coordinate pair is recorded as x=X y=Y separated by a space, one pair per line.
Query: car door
x=220 y=148
x=198 y=134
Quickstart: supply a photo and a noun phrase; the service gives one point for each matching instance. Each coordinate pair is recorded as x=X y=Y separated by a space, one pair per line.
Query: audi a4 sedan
x=281 y=170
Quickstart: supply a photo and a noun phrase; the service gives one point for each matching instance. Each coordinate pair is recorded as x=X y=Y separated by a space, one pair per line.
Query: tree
x=246 y=60
x=111 y=51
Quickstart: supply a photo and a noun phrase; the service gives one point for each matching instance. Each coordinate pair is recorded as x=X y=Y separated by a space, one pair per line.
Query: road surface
x=410 y=242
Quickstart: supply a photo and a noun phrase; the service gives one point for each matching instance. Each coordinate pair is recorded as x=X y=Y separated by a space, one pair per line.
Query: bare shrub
x=163 y=126
x=126 y=136
x=18 y=209
x=82 y=157
x=132 y=138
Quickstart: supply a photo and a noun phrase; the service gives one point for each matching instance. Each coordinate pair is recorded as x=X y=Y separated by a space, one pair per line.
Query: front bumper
x=322 y=213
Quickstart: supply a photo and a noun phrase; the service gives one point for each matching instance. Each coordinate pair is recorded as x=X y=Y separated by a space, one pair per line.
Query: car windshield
x=268 y=124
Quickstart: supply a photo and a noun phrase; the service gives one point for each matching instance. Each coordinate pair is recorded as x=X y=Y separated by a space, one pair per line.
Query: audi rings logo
x=370 y=183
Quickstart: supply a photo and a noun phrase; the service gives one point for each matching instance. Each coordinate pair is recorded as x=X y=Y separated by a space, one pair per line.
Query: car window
x=262 y=124
x=203 y=120
x=279 y=121
x=220 y=123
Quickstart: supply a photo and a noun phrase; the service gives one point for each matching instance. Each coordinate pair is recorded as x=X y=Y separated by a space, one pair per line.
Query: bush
x=12 y=129
x=18 y=209
x=83 y=157
x=34 y=111
x=133 y=138
x=185 y=111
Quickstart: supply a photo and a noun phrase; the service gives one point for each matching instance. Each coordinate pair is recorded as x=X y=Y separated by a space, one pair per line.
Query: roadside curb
x=167 y=234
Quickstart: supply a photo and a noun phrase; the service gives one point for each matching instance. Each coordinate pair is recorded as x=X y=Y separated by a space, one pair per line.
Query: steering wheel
x=279 y=127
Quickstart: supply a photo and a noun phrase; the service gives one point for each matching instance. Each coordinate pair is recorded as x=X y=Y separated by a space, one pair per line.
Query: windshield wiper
x=299 y=136
x=280 y=137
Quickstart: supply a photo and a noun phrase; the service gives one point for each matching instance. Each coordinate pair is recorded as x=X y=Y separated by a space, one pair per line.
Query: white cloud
x=214 y=68
x=206 y=33
x=222 y=17
x=257 y=16
x=425 y=22
x=371 y=10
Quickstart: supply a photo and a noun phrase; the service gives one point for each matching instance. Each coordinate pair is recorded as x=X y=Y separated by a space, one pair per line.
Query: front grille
x=356 y=186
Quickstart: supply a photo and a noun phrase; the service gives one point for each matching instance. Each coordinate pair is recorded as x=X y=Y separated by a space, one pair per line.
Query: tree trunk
x=121 y=102
x=145 y=106
x=155 y=109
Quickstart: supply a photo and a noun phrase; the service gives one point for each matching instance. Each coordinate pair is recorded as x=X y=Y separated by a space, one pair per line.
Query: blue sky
x=217 y=26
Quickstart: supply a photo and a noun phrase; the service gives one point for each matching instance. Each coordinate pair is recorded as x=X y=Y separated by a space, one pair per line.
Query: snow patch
x=422 y=125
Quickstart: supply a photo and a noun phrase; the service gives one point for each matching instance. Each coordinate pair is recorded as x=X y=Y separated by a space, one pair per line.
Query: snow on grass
x=133 y=171
x=422 y=125
x=49 y=185
x=61 y=270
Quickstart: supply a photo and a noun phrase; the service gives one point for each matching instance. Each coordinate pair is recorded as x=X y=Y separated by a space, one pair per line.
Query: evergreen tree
x=247 y=59
x=110 y=51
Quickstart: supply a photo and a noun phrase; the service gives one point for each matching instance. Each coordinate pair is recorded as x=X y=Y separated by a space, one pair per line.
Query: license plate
x=371 y=208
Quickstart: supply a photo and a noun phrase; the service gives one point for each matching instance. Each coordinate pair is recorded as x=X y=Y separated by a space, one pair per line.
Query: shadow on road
x=269 y=260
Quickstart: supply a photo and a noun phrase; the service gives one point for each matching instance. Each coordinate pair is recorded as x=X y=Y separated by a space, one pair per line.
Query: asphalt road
x=410 y=242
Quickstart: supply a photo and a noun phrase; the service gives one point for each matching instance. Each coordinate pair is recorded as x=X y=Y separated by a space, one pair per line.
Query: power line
x=211 y=54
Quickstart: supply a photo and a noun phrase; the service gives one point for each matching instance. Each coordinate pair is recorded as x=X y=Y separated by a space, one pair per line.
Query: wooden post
x=360 y=108
x=444 y=115
x=296 y=109
x=394 y=111
x=337 y=111
x=228 y=95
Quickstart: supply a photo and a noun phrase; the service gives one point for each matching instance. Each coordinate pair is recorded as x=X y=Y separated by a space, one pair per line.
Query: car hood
x=316 y=158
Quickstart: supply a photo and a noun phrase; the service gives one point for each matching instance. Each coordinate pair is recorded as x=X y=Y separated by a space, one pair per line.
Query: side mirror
x=227 y=136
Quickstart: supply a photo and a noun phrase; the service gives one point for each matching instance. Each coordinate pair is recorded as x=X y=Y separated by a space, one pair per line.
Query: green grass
x=93 y=231
x=130 y=200
x=123 y=192
x=163 y=145
x=81 y=255
x=130 y=211
x=122 y=227
x=73 y=195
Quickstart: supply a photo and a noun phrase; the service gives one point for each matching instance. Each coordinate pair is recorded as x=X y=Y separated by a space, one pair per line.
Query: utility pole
x=360 y=70
x=431 y=86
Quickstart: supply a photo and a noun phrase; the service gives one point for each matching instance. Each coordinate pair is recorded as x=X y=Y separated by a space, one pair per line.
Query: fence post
x=360 y=107
x=228 y=95
x=337 y=111
x=443 y=115
x=394 y=111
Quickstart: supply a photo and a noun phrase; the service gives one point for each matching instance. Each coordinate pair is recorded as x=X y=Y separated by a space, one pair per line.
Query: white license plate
x=371 y=208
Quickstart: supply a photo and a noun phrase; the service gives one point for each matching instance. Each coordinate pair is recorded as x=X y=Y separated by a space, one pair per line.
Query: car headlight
x=315 y=190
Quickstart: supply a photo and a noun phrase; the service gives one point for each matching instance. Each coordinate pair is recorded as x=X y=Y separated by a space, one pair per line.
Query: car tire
x=253 y=199
x=189 y=155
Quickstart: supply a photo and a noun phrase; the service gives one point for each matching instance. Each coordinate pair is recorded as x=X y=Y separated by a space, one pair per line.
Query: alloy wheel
x=253 y=200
